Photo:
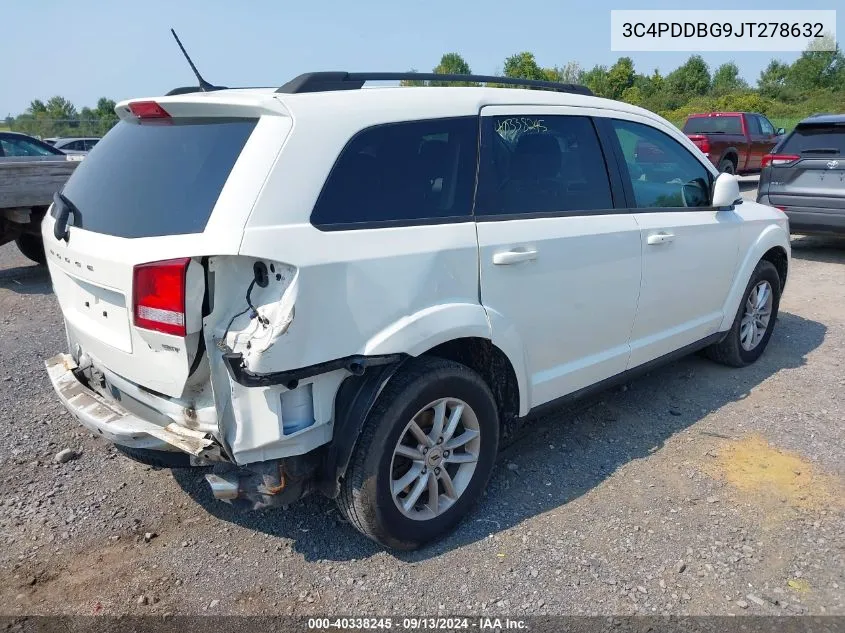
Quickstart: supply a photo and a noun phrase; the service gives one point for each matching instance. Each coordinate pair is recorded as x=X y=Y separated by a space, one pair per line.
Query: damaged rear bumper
x=109 y=419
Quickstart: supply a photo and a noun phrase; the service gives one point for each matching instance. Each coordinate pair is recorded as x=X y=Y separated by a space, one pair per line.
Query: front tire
x=754 y=321
x=32 y=247
x=424 y=456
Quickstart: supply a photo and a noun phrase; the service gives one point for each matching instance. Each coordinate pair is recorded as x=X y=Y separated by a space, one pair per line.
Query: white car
x=74 y=146
x=322 y=288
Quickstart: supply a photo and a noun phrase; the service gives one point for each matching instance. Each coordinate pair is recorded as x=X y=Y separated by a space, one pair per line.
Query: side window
x=541 y=164
x=767 y=126
x=753 y=124
x=662 y=172
x=402 y=173
x=90 y=143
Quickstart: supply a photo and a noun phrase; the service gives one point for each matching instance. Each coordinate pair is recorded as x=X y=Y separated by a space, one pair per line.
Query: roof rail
x=327 y=81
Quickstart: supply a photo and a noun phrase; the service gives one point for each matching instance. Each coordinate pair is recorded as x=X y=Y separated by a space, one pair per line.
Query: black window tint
x=662 y=172
x=754 y=124
x=402 y=172
x=810 y=139
x=713 y=125
x=767 y=126
x=153 y=178
x=540 y=164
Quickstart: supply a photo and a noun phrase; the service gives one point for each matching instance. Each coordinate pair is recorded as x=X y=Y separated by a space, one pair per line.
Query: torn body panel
x=260 y=423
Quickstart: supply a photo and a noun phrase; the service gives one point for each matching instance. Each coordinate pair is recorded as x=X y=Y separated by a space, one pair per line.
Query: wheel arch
x=732 y=154
x=494 y=367
x=771 y=245
x=459 y=332
x=465 y=329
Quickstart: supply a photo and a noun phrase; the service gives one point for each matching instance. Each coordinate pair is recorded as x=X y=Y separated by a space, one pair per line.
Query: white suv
x=355 y=291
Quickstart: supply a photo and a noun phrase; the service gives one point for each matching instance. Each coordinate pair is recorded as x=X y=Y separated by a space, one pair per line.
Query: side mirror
x=780 y=131
x=726 y=191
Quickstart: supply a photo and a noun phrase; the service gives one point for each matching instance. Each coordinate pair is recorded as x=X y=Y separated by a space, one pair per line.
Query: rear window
x=713 y=125
x=824 y=140
x=156 y=178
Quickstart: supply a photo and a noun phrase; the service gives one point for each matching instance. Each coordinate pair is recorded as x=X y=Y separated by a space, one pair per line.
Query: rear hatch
x=172 y=183
x=808 y=168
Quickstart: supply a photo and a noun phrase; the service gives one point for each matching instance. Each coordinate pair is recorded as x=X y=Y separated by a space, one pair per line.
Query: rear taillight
x=778 y=160
x=783 y=209
x=158 y=293
x=148 y=110
x=701 y=142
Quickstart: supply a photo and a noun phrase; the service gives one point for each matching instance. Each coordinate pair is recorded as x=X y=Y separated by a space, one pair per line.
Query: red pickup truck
x=735 y=142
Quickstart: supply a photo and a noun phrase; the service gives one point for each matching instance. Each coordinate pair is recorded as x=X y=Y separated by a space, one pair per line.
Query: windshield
x=156 y=178
x=713 y=125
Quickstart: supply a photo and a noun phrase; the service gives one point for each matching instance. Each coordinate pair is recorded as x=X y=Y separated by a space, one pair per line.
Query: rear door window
x=818 y=140
x=156 y=178
x=402 y=173
x=542 y=164
x=713 y=125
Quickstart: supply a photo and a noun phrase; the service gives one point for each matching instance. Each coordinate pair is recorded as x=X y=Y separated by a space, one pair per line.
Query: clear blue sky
x=123 y=49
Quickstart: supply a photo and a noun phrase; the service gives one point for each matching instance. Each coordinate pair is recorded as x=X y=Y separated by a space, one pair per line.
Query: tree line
x=786 y=93
x=59 y=117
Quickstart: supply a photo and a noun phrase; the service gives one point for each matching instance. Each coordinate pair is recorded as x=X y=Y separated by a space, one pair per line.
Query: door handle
x=660 y=238
x=514 y=257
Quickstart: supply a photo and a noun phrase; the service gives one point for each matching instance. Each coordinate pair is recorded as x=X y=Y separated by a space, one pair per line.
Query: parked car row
x=18 y=145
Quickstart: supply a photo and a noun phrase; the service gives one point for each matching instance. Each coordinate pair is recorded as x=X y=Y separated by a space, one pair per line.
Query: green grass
x=787 y=123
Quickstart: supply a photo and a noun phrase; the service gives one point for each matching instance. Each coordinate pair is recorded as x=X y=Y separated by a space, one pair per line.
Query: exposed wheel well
x=731 y=156
x=492 y=365
x=777 y=256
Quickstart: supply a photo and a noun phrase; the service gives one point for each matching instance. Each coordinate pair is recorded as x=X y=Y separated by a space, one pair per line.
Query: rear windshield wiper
x=820 y=150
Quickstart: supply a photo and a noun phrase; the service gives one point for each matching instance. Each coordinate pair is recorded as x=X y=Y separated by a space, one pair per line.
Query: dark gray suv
x=804 y=176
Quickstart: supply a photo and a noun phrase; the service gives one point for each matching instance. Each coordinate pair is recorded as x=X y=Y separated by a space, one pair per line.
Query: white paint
x=591 y=296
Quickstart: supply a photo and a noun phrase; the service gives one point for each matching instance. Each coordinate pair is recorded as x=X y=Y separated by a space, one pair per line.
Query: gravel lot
x=697 y=489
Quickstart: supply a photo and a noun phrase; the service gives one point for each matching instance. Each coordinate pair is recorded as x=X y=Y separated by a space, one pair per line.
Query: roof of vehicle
x=18 y=134
x=824 y=119
x=75 y=138
x=413 y=102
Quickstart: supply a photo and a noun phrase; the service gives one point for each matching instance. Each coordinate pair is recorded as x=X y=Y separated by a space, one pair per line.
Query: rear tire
x=727 y=166
x=157 y=459
x=746 y=340
x=32 y=247
x=424 y=391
